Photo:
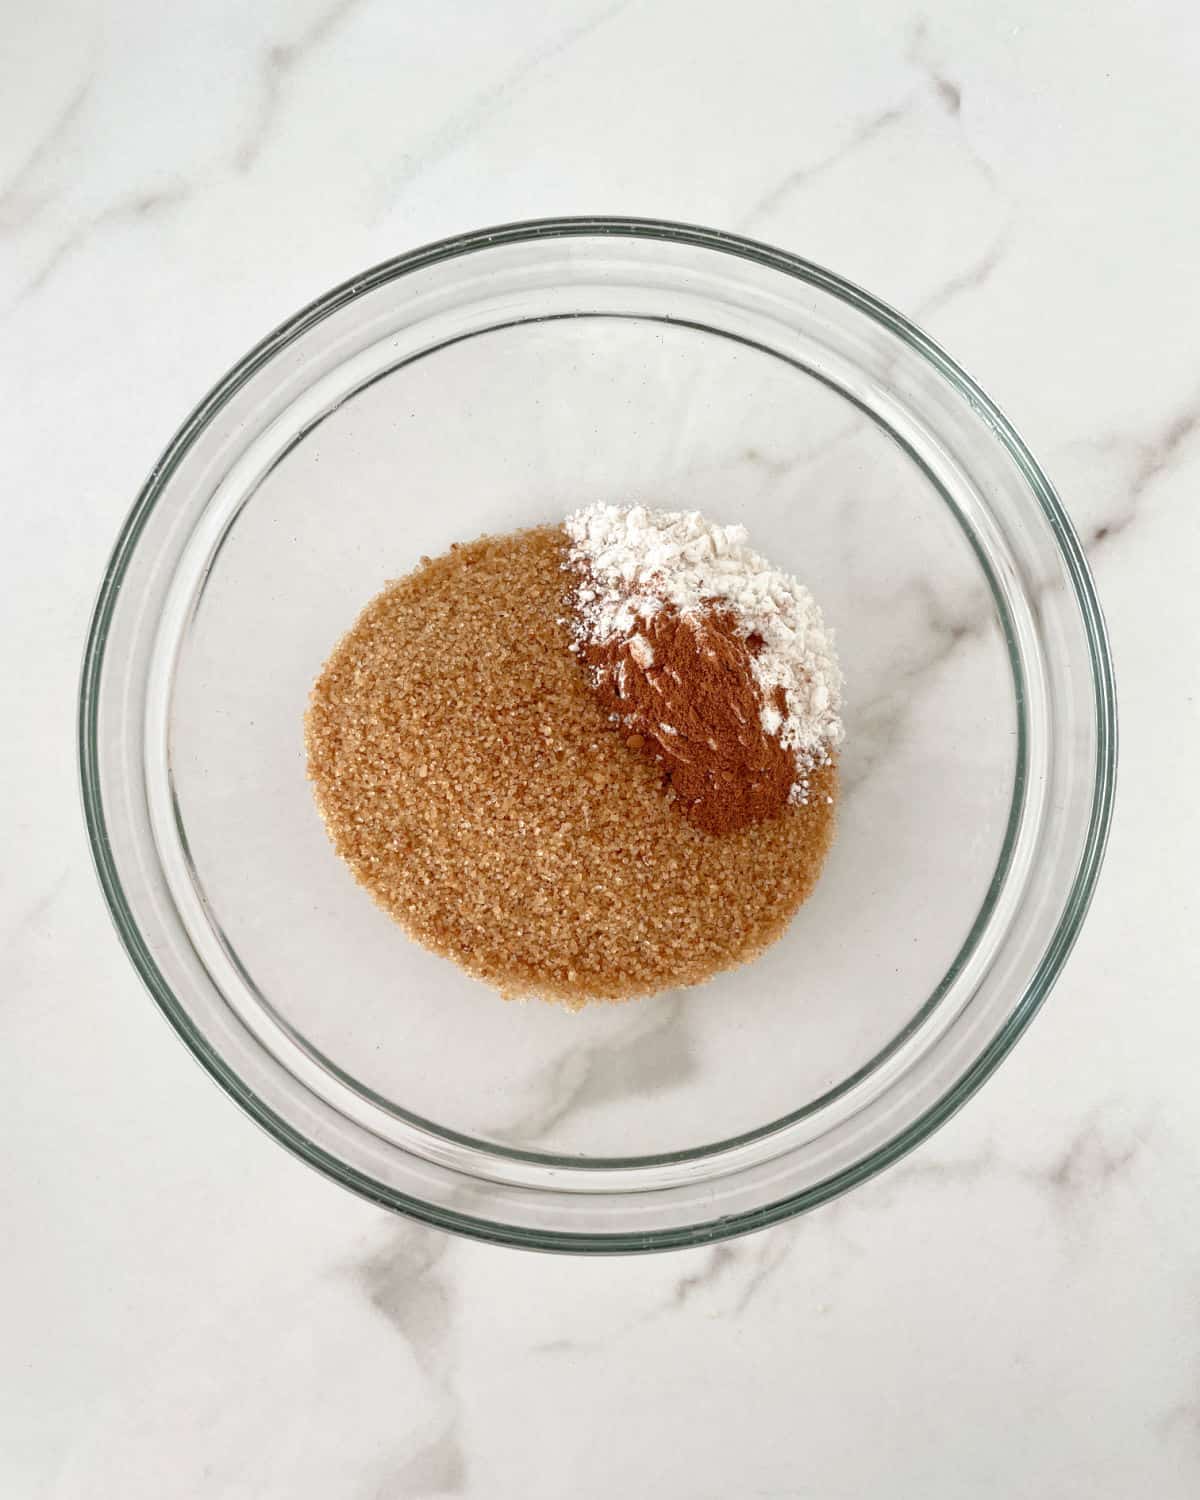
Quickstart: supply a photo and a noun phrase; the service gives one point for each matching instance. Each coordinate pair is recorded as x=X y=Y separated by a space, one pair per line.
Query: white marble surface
x=1015 y=1309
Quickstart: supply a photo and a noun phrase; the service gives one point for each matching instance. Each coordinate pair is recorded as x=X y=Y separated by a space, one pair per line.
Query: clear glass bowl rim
x=1077 y=899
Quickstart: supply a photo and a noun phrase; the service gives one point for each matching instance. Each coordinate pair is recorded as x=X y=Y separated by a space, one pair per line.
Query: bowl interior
x=512 y=425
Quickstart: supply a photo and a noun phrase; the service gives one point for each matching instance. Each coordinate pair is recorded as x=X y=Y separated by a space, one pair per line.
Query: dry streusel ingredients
x=480 y=775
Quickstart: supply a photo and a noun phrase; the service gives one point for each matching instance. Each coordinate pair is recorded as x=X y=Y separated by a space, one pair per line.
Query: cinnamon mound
x=477 y=788
x=685 y=695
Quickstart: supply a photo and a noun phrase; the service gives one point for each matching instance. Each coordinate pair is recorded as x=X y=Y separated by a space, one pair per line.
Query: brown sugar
x=477 y=788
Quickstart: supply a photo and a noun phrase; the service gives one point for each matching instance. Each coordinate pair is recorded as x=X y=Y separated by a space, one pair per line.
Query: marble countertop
x=1014 y=1310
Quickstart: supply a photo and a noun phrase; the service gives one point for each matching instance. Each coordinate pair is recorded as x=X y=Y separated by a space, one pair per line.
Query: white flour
x=633 y=561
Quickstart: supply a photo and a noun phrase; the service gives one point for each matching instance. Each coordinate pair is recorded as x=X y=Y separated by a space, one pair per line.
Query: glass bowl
x=497 y=380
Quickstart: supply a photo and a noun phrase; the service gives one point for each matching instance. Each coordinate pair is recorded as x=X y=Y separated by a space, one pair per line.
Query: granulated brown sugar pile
x=478 y=787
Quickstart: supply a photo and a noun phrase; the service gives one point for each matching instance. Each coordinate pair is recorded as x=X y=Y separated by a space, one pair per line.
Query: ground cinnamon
x=684 y=694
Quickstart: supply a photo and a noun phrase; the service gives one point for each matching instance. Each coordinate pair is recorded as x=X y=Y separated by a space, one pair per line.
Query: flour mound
x=634 y=561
